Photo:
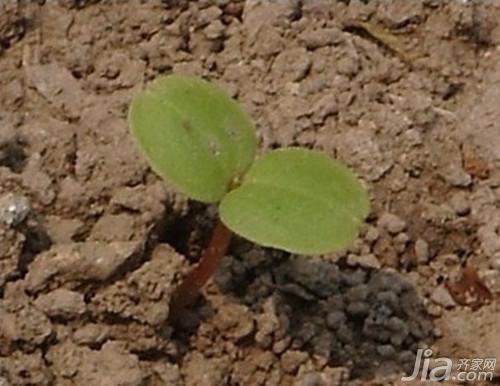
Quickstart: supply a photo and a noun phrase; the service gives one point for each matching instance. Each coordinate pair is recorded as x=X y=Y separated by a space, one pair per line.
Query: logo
x=466 y=370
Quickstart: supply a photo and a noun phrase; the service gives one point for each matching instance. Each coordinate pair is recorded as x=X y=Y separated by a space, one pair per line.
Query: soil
x=92 y=243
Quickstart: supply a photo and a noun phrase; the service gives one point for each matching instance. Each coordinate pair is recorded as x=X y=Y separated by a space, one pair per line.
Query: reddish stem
x=188 y=290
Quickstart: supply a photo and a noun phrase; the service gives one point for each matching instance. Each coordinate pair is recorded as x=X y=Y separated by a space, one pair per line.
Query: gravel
x=422 y=251
x=79 y=261
x=391 y=223
x=370 y=314
x=14 y=209
x=460 y=204
x=367 y=261
x=442 y=297
x=61 y=303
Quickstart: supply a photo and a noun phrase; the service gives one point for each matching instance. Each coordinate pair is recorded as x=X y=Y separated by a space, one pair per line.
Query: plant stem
x=188 y=290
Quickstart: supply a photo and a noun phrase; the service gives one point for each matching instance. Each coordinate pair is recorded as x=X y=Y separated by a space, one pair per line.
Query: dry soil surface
x=92 y=243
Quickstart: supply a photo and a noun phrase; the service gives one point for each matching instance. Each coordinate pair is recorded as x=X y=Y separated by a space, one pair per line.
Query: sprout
x=200 y=140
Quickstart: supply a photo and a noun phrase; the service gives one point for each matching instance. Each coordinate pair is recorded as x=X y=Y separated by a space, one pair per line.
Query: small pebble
x=367 y=261
x=459 y=204
x=358 y=308
x=310 y=379
x=386 y=350
x=344 y=334
x=335 y=319
x=13 y=209
x=372 y=234
x=435 y=310
x=402 y=238
x=389 y=298
x=422 y=251
x=406 y=357
x=392 y=223
x=292 y=359
x=358 y=293
x=214 y=30
x=91 y=334
x=449 y=259
x=322 y=37
x=397 y=325
x=281 y=345
x=401 y=242
x=491 y=278
x=495 y=261
x=438 y=333
x=442 y=297
x=61 y=303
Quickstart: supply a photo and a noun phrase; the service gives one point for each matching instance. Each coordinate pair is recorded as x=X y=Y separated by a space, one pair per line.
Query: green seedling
x=200 y=140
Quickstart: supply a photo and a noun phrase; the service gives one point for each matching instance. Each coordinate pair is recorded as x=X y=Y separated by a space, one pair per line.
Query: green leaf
x=298 y=200
x=193 y=135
